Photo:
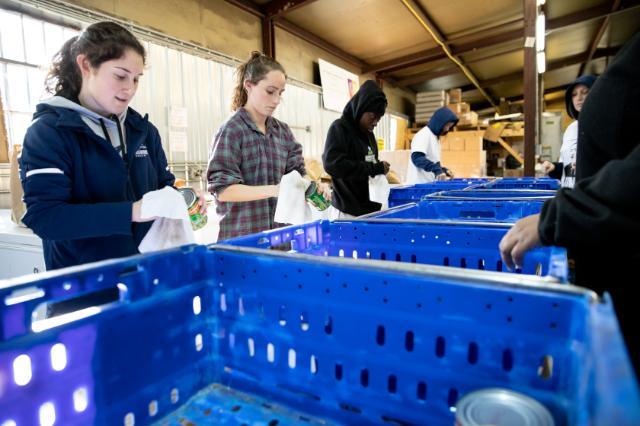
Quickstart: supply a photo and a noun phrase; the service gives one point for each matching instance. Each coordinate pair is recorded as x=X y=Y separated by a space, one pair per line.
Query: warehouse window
x=24 y=63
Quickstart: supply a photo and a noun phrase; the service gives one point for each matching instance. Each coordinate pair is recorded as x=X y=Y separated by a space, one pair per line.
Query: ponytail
x=254 y=70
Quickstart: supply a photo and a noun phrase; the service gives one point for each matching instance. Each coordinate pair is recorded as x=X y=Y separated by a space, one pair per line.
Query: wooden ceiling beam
x=597 y=37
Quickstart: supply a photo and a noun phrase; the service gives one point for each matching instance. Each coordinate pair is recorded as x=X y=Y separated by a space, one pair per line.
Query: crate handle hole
x=380 y=335
x=153 y=408
x=472 y=355
x=538 y=269
x=129 y=420
x=364 y=377
x=453 y=397
x=174 y=395
x=271 y=352
x=292 y=358
x=545 y=370
x=338 y=371
x=421 y=391
x=55 y=313
x=392 y=384
x=328 y=325
x=440 y=346
x=251 y=346
x=304 y=321
x=408 y=341
x=507 y=360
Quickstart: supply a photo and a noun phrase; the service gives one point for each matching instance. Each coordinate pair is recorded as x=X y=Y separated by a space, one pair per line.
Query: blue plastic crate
x=522 y=183
x=488 y=211
x=470 y=245
x=232 y=336
x=493 y=194
x=411 y=193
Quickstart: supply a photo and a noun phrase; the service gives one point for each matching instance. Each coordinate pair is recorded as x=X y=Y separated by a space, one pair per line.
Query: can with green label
x=198 y=220
x=315 y=198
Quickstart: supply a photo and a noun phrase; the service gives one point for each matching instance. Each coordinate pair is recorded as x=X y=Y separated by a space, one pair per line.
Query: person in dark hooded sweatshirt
x=351 y=152
x=598 y=221
x=565 y=168
x=425 y=164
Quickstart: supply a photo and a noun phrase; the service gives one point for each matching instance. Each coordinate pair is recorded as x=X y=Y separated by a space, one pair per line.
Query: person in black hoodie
x=599 y=220
x=351 y=153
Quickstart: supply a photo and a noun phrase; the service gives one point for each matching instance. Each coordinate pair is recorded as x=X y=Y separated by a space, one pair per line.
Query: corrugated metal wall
x=204 y=87
x=179 y=76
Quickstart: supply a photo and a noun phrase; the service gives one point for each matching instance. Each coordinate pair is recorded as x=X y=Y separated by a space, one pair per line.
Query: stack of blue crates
x=231 y=335
x=385 y=319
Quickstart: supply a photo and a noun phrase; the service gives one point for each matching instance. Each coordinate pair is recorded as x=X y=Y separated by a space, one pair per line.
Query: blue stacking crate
x=486 y=211
x=474 y=194
x=410 y=193
x=242 y=336
x=470 y=245
x=522 y=183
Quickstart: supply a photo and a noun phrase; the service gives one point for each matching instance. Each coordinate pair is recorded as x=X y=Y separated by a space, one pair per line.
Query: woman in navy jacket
x=88 y=158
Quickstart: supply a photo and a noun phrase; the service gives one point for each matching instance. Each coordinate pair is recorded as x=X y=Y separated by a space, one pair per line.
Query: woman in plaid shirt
x=252 y=151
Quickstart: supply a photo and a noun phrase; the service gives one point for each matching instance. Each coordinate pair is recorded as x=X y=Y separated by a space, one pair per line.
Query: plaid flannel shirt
x=242 y=154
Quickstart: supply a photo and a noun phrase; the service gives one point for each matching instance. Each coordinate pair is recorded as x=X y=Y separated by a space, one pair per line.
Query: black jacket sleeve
x=337 y=161
x=557 y=171
x=600 y=210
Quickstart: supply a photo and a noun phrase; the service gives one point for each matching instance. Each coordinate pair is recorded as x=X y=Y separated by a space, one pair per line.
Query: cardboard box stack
x=427 y=103
x=462 y=153
x=467 y=117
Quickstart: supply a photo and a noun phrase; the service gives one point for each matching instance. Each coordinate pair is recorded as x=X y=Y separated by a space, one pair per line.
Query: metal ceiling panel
x=373 y=30
x=455 y=17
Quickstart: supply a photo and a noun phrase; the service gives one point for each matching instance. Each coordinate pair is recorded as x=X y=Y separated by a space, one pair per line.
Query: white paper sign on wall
x=338 y=86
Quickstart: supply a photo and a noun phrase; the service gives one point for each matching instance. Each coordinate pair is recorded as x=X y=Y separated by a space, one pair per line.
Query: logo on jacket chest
x=142 y=151
x=370 y=156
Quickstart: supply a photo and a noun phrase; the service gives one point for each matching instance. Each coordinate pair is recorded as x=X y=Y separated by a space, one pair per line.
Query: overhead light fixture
x=540 y=32
x=541 y=62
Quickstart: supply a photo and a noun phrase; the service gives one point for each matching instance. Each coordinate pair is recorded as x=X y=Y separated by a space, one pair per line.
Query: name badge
x=371 y=158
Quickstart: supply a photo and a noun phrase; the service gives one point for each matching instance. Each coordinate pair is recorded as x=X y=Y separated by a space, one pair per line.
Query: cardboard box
x=455 y=95
x=472 y=158
x=399 y=160
x=459 y=108
x=513 y=172
x=468 y=119
x=456 y=143
x=463 y=140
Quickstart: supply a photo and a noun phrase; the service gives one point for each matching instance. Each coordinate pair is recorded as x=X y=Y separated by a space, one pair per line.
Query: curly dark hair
x=100 y=42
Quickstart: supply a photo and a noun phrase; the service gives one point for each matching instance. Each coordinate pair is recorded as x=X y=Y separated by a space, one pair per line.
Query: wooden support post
x=530 y=78
x=269 y=37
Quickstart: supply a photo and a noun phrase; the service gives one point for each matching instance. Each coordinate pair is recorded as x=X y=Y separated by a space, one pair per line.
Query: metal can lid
x=501 y=407
x=189 y=195
x=310 y=189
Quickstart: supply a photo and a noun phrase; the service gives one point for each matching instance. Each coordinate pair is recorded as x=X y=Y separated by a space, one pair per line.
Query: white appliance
x=20 y=249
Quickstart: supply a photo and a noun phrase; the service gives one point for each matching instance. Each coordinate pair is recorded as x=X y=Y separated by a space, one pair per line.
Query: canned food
x=198 y=220
x=501 y=407
x=315 y=198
